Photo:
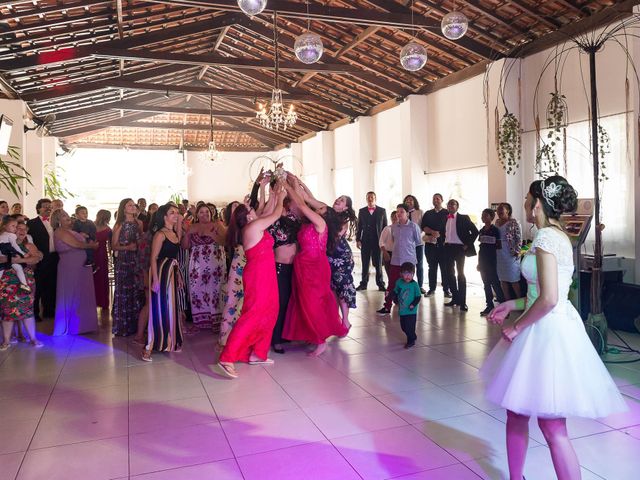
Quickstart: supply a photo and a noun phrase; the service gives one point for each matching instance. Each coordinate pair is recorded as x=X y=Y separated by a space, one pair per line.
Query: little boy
x=88 y=229
x=489 y=237
x=407 y=295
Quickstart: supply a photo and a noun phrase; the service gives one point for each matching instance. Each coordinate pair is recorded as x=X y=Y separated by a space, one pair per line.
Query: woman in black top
x=165 y=330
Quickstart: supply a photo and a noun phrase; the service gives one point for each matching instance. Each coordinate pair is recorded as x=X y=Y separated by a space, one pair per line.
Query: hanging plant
x=557 y=120
x=604 y=147
x=509 y=143
x=12 y=173
x=53 y=187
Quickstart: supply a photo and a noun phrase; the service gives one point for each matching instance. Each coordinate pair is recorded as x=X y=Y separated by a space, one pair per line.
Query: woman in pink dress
x=312 y=315
x=250 y=339
x=101 y=259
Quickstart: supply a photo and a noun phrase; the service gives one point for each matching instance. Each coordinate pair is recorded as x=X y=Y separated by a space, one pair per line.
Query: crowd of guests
x=182 y=268
x=179 y=268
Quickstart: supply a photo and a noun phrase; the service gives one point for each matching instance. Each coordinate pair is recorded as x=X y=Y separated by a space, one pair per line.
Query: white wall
x=227 y=179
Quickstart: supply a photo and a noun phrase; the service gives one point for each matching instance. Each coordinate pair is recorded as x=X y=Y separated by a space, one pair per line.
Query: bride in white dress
x=545 y=364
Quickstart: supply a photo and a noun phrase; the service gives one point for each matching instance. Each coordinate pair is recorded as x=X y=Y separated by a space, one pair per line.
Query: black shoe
x=279 y=350
x=486 y=311
x=382 y=288
x=450 y=304
x=423 y=291
x=383 y=311
x=464 y=307
x=409 y=345
x=429 y=293
x=447 y=294
x=361 y=287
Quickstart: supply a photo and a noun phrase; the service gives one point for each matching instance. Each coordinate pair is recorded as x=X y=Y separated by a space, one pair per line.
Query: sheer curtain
x=388 y=183
x=617 y=205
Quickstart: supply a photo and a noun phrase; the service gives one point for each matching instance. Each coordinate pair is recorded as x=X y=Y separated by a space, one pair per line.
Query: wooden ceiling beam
x=533 y=14
x=361 y=16
x=45 y=10
x=265 y=147
x=224 y=92
x=158 y=109
x=74 y=54
x=368 y=77
x=159 y=125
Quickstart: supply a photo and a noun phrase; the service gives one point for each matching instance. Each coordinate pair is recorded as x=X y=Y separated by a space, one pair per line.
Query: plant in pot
x=12 y=173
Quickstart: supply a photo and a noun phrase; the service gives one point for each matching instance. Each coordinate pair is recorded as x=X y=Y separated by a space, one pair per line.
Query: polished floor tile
x=89 y=407
x=392 y=452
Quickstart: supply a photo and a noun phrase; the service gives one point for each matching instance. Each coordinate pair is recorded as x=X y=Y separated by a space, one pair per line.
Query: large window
x=344 y=182
x=617 y=210
x=468 y=186
x=388 y=183
x=100 y=178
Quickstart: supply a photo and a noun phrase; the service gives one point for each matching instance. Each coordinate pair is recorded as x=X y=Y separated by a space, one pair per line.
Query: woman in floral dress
x=207 y=269
x=16 y=304
x=128 y=296
x=341 y=263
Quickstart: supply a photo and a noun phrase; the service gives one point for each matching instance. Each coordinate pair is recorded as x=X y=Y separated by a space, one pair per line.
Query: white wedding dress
x=551 y=369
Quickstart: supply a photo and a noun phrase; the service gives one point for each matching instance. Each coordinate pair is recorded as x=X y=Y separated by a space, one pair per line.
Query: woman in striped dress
x=164 y=330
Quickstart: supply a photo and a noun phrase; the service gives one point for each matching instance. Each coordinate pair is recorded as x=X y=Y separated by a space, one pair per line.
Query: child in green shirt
x=406 y=294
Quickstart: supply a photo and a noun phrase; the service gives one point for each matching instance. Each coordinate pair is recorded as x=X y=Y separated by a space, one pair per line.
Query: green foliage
x=557 y=119
x=53 y=187
x=12 y=172
x=509 y=143
x=604 y=147
x=176 y=198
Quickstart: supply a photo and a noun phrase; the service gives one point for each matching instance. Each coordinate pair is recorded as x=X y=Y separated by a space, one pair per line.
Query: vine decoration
x=604 y=147
x=557 y=121
x=509 y=142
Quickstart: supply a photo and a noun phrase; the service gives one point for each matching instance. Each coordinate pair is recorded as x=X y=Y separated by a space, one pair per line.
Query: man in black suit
x=371 y=220
x=460 y=235
x=46 y=271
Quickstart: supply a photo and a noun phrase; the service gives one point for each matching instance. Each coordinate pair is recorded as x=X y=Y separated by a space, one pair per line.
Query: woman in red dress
x=312 y=315
x=101 y=257
x=250 y=339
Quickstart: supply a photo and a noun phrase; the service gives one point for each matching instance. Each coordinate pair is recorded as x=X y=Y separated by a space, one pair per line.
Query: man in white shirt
x=47 y=270
x=460 y=235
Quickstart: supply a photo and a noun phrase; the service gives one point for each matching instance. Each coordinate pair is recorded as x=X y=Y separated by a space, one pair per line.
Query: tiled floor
x=87 y=408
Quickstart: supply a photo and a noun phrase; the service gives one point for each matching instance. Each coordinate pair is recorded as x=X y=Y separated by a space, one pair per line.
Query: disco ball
x=454 y=25
x=308 y=47
x=252 y=7
x=413 y=56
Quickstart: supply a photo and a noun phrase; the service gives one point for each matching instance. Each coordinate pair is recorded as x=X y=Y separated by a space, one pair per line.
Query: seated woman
x=75 y=295
x=16 y=304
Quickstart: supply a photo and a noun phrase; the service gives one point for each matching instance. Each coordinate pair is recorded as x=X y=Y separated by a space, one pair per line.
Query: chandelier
x=276 y=116
x=212 y=153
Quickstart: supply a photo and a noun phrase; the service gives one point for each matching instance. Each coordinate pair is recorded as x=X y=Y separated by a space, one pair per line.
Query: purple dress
x=75 y=297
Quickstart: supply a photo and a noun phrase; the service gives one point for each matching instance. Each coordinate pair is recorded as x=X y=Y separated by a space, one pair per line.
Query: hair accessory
x=549 y=192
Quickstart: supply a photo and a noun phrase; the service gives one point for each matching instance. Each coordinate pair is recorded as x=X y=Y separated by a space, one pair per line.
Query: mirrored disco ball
x=252 y=7
x=308 y=47
x=454 y=25
x=413 y=56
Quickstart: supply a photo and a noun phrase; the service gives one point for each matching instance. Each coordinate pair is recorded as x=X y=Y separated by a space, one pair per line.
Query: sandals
x=226 y=370
x=4 y=346
x=146 y=355
x=268 y=361
x=36 y=344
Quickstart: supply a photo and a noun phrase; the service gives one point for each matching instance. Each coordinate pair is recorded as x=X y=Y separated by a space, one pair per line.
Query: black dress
x=165 y=332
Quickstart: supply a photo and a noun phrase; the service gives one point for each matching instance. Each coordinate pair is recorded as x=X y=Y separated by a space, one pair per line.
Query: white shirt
x=451 y=235
x=47 y=225
x=386 y=239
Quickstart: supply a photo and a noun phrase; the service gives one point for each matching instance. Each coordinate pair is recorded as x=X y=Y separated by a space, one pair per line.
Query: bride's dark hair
x=556 y=196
